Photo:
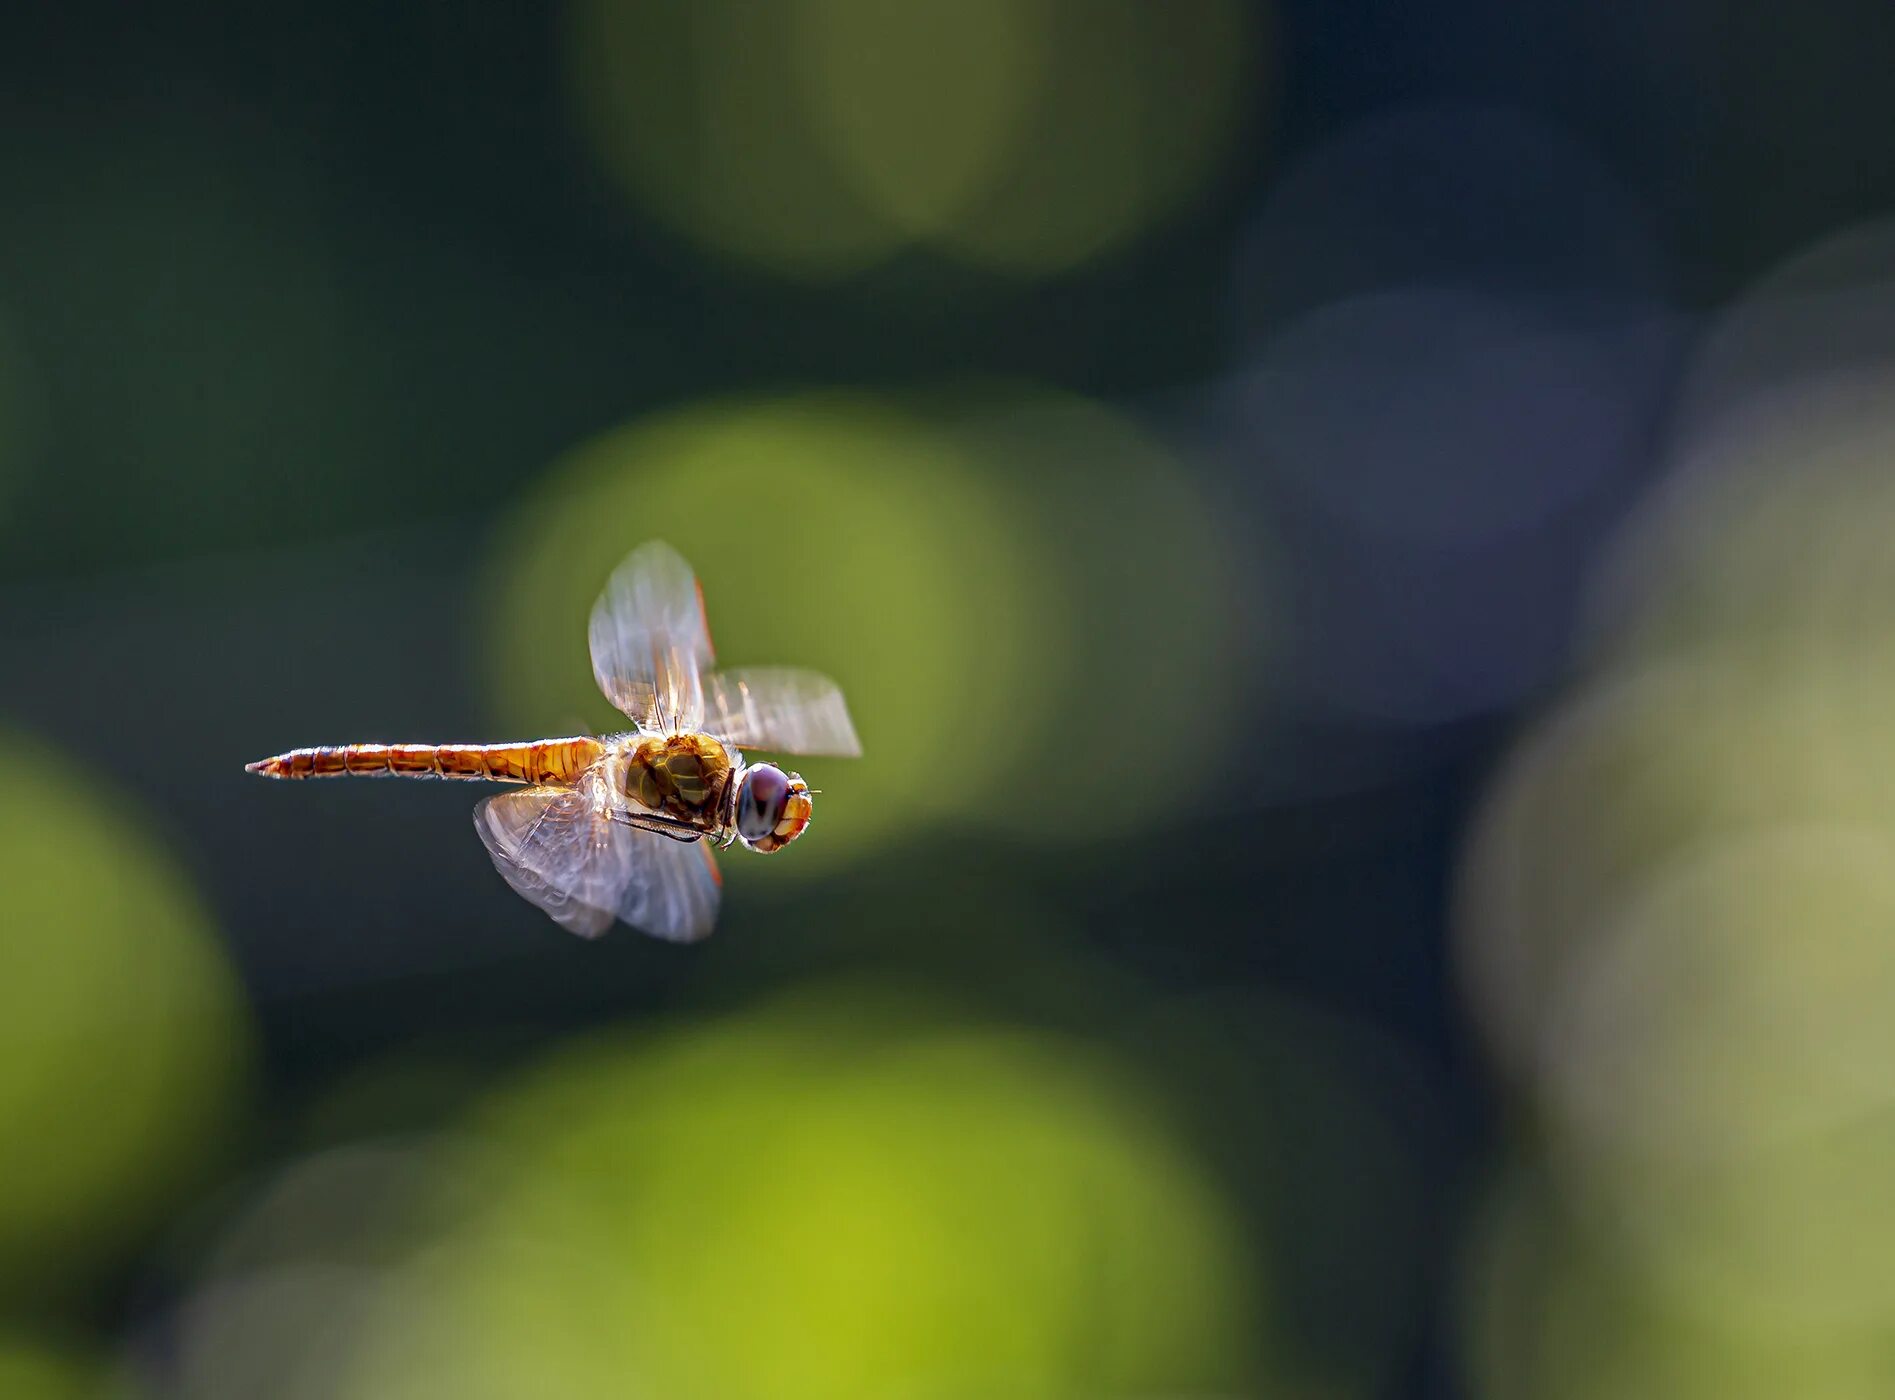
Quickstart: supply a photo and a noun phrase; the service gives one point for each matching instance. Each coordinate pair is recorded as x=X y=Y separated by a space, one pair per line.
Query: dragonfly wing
x=650 y=641
x=573 y=853
x=561 y=851
x=783 y=708
x=675 y=889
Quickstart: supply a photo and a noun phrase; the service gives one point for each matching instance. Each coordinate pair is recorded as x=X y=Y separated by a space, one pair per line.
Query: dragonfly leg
x=659 y=826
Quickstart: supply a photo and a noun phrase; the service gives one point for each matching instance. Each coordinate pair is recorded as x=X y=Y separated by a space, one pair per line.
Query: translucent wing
x=676 y=890
x=561 y=851
x=571 y=852
x=650 y=641
x=779 y=707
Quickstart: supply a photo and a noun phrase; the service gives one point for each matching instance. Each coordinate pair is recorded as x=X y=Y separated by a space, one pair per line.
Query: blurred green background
x=1358 y=543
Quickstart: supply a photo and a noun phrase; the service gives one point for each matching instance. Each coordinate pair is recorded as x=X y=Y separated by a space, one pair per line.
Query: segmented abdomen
x=540 y=761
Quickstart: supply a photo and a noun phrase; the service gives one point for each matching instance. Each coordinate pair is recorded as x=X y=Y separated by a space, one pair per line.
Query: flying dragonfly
x=622 y=826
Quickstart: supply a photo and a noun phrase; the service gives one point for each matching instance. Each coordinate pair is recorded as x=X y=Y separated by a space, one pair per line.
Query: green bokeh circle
x=818 y=138
x=1552 y=1312
x=781 y=1207
x=36 y=1369
x=123 y=1037
x=692 y=106
x=1164 y=613
x=827 y=531
x=1136 y=108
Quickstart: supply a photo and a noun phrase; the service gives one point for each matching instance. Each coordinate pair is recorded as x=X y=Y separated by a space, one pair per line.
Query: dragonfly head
x=773 y=807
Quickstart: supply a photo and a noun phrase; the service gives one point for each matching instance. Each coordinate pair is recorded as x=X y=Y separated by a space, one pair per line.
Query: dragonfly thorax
x=686 y=777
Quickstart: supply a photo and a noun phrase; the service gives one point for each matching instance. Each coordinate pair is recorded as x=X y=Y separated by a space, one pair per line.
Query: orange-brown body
x=554 y=761
x=790 y=825
x=686 y=776
x=688 y=780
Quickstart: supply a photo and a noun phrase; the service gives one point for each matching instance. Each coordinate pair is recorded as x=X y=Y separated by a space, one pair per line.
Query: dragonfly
x=622 y=826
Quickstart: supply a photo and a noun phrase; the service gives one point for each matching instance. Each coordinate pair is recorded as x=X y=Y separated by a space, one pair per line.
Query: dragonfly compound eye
x=760 y=804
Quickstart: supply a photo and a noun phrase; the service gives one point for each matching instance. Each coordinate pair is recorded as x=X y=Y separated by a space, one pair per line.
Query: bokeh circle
x=829 y=531
x=125 y=1034
x=875 y=1197
x=817 y=138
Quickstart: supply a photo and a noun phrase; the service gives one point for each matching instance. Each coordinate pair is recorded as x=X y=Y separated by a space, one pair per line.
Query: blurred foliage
x=1721 y=1107
x=1168 y=745
x=848 y=1192
x=1553 y=1315
x=36 y=1369
x=1152 y=99
x=820 y=137
x=1677 y=907
x=828 y=531
x=995 y=577
x=125 y=1038
x=1165 y=618
x=1623 y=779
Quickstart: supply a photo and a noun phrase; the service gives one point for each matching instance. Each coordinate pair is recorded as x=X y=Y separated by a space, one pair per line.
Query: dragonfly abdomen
x=557 y=761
